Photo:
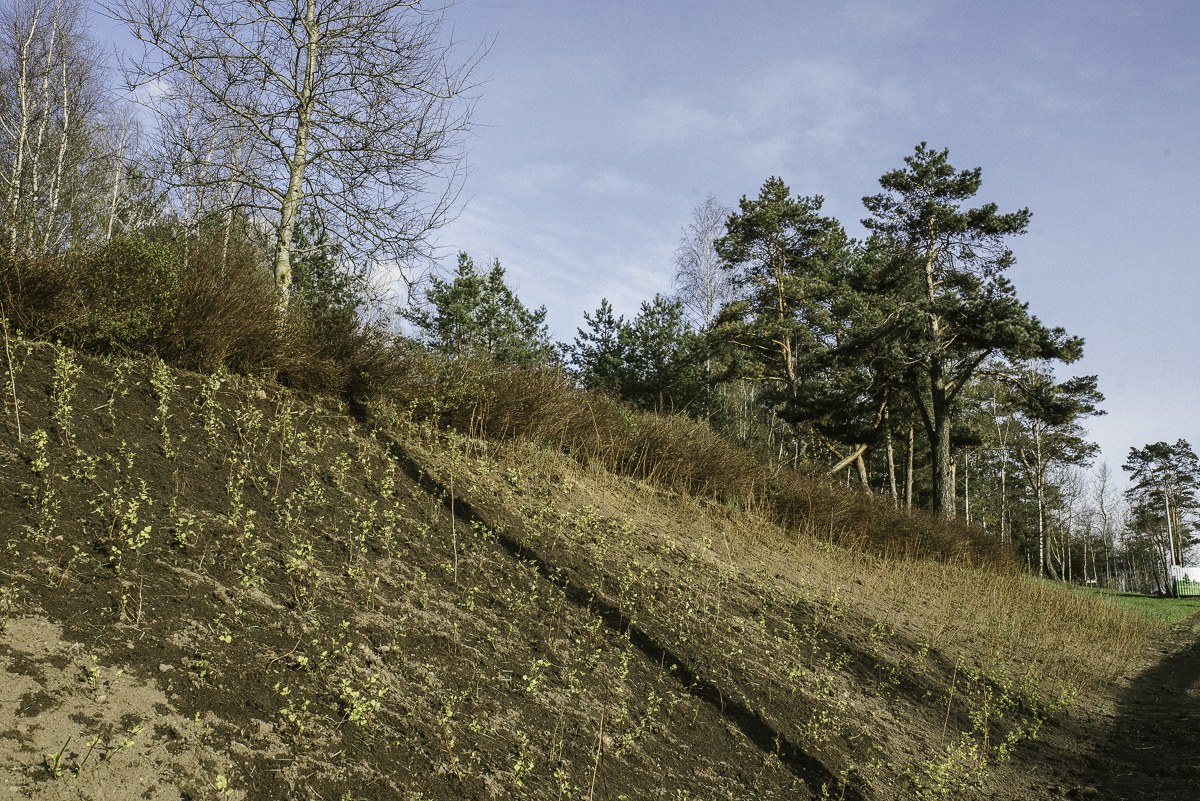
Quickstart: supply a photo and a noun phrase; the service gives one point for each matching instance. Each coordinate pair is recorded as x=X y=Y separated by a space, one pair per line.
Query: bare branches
x=55 y=124
x=703 y=284
x=349 y=109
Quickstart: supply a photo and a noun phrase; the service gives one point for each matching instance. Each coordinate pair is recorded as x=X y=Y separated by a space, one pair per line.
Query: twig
x=950 y=701
x=453 y=530
x=12 y=379
x=599 y=748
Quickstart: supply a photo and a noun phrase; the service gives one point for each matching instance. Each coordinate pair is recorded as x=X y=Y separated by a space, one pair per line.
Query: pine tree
x=598 y=354
x=943 y=305
x=1165 y=496
x=655 y=361
x=477 y=314
x=786 y=260
x=664 y=359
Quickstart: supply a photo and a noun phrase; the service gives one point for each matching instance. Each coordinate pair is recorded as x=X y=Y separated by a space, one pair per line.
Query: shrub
x=119 y=296
x=127 y=292
x=227 y=315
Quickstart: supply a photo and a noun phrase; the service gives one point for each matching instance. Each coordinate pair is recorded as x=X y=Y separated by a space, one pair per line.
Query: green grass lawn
x=1169 y=610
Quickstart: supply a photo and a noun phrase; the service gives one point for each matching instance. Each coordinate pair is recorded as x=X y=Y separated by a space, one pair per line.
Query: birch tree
x=350 y=110
x=701 y=283
x=53 y=115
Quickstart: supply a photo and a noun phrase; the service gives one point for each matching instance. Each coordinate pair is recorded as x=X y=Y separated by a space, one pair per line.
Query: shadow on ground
x=1152 y=750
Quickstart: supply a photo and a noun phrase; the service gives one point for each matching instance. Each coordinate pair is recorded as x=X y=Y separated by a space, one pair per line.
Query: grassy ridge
x=494 y=402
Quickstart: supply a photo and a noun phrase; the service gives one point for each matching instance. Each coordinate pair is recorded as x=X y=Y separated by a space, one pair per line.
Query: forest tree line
x=285 y=152
x=797 y=341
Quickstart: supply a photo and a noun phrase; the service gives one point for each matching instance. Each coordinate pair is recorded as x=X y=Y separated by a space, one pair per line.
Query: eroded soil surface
x=211 y=591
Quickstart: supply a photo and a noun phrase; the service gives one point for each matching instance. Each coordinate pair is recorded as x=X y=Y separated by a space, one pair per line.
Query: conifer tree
x=598 y=354
x=943 y=304
x=1165 y=496
x=477 y=313
x=655 y=361
x=786 y=260
x=664 y=359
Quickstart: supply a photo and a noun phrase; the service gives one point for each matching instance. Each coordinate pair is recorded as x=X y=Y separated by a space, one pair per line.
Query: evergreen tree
x=1164 y=497
x=654 y=361
x=477 y=313
x=664 y=359
x=943 y=305
x=786 y=262
x=598 y=354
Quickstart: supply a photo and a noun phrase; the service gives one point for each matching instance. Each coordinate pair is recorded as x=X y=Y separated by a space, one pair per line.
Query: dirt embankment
x=215 y=589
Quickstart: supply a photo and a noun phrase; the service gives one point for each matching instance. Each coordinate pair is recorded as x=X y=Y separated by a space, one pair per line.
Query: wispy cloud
x=659 y=121
x=1050 y=99
x=534 y=180
x=614 y=183
x=568 y=257
x=785 y=107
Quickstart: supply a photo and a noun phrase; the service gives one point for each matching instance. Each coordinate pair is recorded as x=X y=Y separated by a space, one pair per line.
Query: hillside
x=213 y=587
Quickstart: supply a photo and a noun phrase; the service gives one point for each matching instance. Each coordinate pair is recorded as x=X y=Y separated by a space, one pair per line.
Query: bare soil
x=1149 y=749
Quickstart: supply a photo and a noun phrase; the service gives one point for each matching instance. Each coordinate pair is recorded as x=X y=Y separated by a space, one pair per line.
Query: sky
x=600 y=126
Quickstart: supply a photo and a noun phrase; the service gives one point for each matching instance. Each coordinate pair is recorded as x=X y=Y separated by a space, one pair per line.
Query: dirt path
x=1152 y=749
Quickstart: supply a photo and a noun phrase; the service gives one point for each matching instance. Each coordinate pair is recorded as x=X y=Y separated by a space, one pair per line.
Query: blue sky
x=601 y=125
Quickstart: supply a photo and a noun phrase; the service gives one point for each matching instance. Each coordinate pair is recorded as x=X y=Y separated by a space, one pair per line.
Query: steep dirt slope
x=215 y=589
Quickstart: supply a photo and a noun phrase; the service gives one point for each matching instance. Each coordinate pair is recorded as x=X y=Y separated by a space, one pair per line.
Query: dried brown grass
x=676 y=453
x=206 y=305
x=220 y=312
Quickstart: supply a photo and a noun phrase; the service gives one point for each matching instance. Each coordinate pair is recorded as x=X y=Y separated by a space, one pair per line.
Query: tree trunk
x=908 y=473
x=891 y=457
x=290 y=208
x=55 y=189
x=943 y=464
x=937 y=419
x=1004 y=537
x=967 y=486
x=16 y=200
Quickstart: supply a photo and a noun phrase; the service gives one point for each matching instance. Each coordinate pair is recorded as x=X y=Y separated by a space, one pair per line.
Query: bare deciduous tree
x=350 y=109
x=702 y=284
x=52 y=118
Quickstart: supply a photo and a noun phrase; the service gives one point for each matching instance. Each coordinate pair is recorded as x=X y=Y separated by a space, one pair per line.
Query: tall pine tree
x=944 y=304
x=786 y=260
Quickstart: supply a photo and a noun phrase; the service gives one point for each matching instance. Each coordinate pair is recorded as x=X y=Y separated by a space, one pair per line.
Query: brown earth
x=1146 y=746
x=216 y=589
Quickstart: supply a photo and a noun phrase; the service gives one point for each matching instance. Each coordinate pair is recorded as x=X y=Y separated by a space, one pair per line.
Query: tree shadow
x=1152 y=750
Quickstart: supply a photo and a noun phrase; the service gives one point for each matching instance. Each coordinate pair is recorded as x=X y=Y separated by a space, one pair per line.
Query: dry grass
x=563 y=612
x=204 y=305
x=221 y=313
x=968 y=662
x=673 y=452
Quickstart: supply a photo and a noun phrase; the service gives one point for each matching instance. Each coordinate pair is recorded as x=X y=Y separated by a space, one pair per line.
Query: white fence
x=1185 y=580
